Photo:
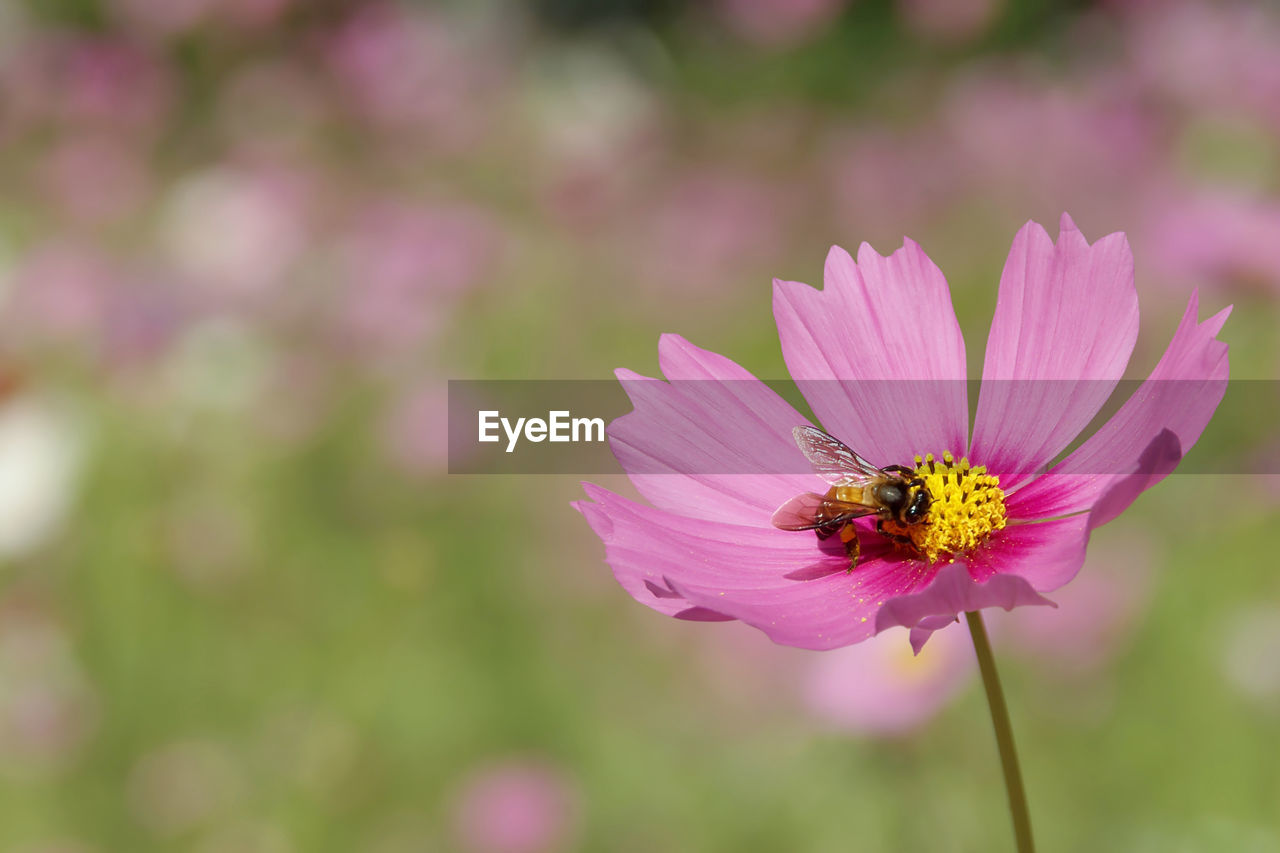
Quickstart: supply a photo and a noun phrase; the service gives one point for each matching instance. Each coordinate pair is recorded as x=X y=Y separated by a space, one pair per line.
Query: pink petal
x=1026 y=559
x=1065 y=323
x=876 y=323
x=644 y=590
x=1046 y=554
x=778 y=581
x=713 y=443
x=1180 y=396
x=953 y=592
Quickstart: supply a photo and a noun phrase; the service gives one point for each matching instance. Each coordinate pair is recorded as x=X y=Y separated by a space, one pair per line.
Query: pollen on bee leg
x=966 y=506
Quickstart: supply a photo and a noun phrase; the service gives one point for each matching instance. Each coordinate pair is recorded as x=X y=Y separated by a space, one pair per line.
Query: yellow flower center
x=967 y=506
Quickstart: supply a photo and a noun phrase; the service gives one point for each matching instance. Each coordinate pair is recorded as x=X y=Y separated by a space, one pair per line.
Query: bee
x=858 y=489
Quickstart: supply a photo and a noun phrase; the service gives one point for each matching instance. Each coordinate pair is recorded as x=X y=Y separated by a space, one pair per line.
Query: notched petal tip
x=593 y=511
x=867 y=253
x=1032 y=230
x=1214 y=323
x=840 y=269
x=1067 y=228
x=790 y=293
x=839 y=254
x=672 y=345
x=626 y=374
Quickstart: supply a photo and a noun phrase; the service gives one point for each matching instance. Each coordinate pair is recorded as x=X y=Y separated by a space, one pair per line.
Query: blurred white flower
x=1251 y=653
x=41 y=447
x=588 y=104
x=234 y=231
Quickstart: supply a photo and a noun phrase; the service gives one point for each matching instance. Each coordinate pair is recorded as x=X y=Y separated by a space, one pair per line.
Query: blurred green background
x=244 y=244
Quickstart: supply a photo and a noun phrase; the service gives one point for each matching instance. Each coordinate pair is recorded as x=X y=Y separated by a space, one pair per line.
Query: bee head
x=917 y=505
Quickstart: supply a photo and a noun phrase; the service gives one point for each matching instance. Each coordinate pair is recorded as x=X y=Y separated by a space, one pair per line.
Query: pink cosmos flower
x=881 y=361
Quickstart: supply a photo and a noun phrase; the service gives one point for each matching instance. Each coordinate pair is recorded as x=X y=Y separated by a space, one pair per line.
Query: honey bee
x=858 y=489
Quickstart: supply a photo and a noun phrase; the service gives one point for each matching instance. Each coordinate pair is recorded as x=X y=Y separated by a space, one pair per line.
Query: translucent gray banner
x=563 y=426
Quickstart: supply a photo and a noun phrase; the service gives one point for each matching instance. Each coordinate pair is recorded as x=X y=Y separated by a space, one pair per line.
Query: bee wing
x=811 y=511
x=832 y=460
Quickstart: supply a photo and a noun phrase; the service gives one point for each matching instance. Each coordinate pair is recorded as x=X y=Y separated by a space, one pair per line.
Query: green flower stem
x=1004 y=734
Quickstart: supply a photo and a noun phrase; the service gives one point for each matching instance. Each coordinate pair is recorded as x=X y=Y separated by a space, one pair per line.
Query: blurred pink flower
x=144 y=318
x=60 y=293
x=707 y=229
x=1093 y=616
x=717 y=456
x=742 y=670
x=47 y=708
x=1036 y=143
x=778 y=23
x=880 y=688
x=85 y=83
x=415 y=430
x=1216 y=56
x=516 y=806
x=71 y=296
x=410 y=69
x=1215 y=237
x=949 y=20
x=875 y=176
x=95 y=178
x=401 y=263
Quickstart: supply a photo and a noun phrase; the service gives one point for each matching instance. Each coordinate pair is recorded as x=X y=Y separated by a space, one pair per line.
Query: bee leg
x=852 y=547
x=899 y=469
x=896 y=537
